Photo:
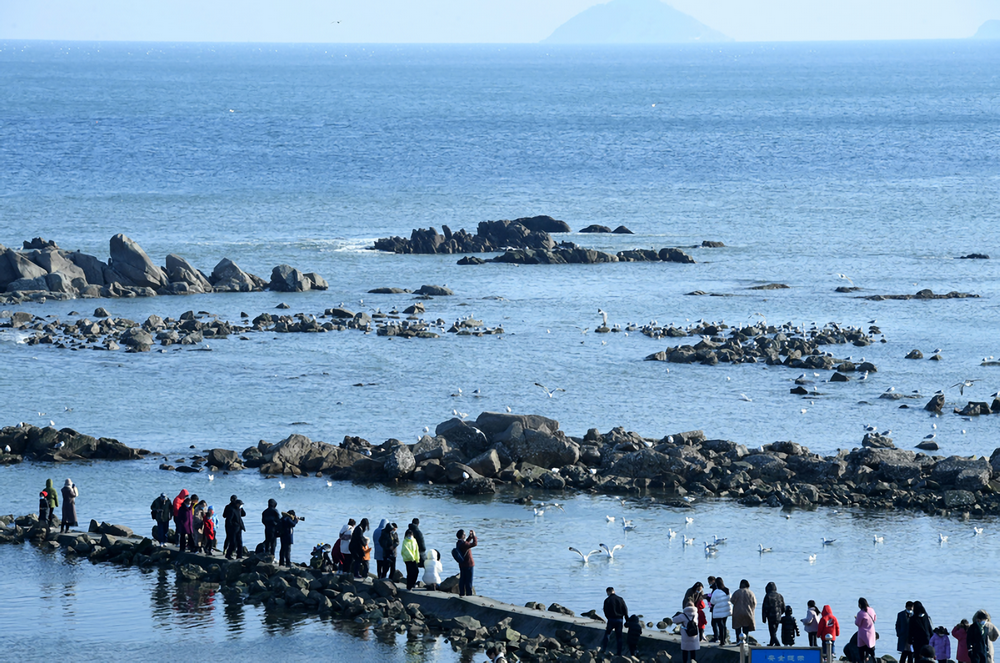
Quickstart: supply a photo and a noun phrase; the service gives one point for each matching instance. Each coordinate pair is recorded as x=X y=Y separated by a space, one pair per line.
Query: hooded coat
x=722 y=607
x=69 y=493
x=921 y=629
x=270 y=517
x=389 y=543
x=176 y=506
x=185 y=519
x=774 y=605
x=744 y=604
x=865 y=621
x=377 y=538
x=688 y=642
x=810 y=623
x=828 y=625
x=961 y=646
x=942 y=646
x=991 y=635
x=358 y=543
x=978 y=643
x=433 y=568
x=50 y=488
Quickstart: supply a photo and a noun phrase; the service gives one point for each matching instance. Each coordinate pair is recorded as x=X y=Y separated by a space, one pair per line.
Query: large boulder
x=53 y=260
x=647 y=464
x=129 y=260
x=224 y=459
x=301 y=452
x=486 y=463
x=137 y=337
x=285 y=278
x=462 y=435
x=539 y=448
x=180 y=270
x=93 y=269
x=18 y=267
x=494 y=423
x=973 y=474
x=544 y=224
x=399 y=463
x=228 y=277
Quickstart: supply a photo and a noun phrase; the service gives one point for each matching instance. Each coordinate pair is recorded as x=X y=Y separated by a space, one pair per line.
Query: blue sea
x=875 y=161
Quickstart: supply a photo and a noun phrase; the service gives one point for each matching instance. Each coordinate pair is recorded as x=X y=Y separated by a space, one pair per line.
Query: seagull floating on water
x=611 y=519
x=689 y=541
x=718 y=540
x=688 y=520
x=211 y=477
x=762 y=549
x=281 y=485
x=329 y=484
x=671 y=533
x=812 y=559
x=976 y=531
x=539 y=512
x=744 y=397
x=877 y=539
x=585 y=558
x=827 y=542
x=942 y=538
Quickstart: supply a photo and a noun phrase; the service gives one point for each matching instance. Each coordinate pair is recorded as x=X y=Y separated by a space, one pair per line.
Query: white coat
x=721 y=606
x=688 y=642
x=433 y=568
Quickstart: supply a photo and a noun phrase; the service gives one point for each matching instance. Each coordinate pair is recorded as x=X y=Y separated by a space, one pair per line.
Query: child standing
x=634 y=626
x=942 y=644
x=208 y=532
x=789 y=628
x=962 y=648
x=810 y=623
x=43 y=507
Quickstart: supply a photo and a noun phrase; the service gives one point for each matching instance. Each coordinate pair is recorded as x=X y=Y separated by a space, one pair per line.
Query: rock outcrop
x=51 y=445
x=44 y=271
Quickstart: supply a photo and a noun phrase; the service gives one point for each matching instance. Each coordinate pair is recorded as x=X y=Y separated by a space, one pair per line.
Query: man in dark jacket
x=903 y=634
x=771 y=612
x=233 y=515
x=977 y=640
x=160 y=511
x=419 y=536
x=360 y=556
x=615 y=611
x=270 y=517
x=286 y=529
x=389 y=542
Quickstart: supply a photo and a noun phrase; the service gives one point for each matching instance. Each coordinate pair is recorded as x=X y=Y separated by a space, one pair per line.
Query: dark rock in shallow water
x=490 y=236
x=595 y=228
x=877 y=441
x=388 y=291
x=925 y=294
x=975 y=256
x=471 y=260
x=545 y=224
x=769 y=286
x=839 y=377
x=129 y=260
x=435 y=291
x=708 y=244
x=285 y=278
x=928 y=445
x=622 y=230
x=475 y=486
x=914 y=354
x=935 y=403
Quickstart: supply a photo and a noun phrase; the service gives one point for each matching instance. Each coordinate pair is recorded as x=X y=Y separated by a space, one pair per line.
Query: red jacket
x=209 y=529
x=465 y=547
x=828 y=624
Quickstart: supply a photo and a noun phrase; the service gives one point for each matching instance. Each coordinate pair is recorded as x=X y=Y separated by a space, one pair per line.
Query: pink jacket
x=961 y=651
x=865 y=621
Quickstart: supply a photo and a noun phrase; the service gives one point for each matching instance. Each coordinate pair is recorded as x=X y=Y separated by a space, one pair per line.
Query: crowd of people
x=355 y=548
x=917 y=641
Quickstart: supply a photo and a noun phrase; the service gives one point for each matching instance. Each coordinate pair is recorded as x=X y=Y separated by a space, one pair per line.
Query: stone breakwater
x=51 y=445
x=105 y=332
x=42 y=270
x=523 y=241
x=506 y=452
x=532 y=633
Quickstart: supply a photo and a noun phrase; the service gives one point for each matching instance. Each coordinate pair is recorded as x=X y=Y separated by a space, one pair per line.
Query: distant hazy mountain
x=633 y=22
x=988 y=30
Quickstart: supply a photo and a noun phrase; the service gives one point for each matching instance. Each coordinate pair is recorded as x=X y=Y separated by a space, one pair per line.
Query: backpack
x=459 y=557
x=692 y=628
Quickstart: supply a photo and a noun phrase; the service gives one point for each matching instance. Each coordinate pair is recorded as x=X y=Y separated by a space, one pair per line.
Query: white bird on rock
x=610 y=552
x=585 y=558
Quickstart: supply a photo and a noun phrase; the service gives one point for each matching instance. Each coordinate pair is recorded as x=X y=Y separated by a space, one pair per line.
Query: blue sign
x=785 y=654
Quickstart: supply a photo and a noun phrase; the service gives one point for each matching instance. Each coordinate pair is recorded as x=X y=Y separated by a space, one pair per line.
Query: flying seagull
x=585 y=558
x=549 y=392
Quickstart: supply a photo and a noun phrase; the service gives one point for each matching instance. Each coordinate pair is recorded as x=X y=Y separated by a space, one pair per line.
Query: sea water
x=875 y=161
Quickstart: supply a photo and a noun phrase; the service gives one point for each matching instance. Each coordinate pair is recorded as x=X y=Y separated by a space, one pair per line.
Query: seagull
x=60 y=445
x=688 y=520
x=717 y=540
x=846 y=278
x=931 y=436
x=508 y=409
x=628 y=527
x=877 y=539
x=281 y=485
x=211 y=477
x=539 y=512
x=329 y=484
x=52 y=423
x=585 y=558
x=671 y=533
x=549 y=392
x=963 y=384
x=976 y=531
x=604 y=317
x=610 y=552
x=689 y=542
x=6 y=449
x=762 y=549
x=812 y=559
x=942 y=538
x=744 y=397
x=710 y=548
x=465 y=475
x=827 y=542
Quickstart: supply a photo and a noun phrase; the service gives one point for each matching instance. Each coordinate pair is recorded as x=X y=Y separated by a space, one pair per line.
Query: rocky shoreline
x=523 y=241
x=108 y=333
x=508 y=452
x=533 y=633
x=43 y=271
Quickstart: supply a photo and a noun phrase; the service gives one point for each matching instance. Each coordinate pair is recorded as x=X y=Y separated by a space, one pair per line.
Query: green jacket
x=411 y=552
x=53 y=497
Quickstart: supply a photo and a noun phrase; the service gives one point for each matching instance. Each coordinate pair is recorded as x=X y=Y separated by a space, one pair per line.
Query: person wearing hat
x=69 y=493
x=43 y=508
x=50 y=494
x=271 y=520
x=411 y=557
x=286 y=527
x=159 y=510
x=389 y=542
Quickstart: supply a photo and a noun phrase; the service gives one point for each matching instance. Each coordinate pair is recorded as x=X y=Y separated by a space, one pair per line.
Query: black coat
x=920 y=631
x=389 y=542
x=286 y=530
x=270 y=517
x=902 y=630
x=615 y=608
x=357 y=543
x=773 y=606
x=233 y=516
x=978 y=643
x=419 y=536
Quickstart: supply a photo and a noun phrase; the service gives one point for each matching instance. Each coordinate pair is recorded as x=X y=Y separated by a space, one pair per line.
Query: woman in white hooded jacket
x=432 y=569
x=690 y=644
x=722 y=608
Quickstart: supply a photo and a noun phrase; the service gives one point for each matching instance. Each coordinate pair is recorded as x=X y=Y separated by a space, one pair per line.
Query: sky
x=469 y=21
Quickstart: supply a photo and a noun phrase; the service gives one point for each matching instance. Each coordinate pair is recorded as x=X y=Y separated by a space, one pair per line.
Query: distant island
x=633 y=22
x=988 y=30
